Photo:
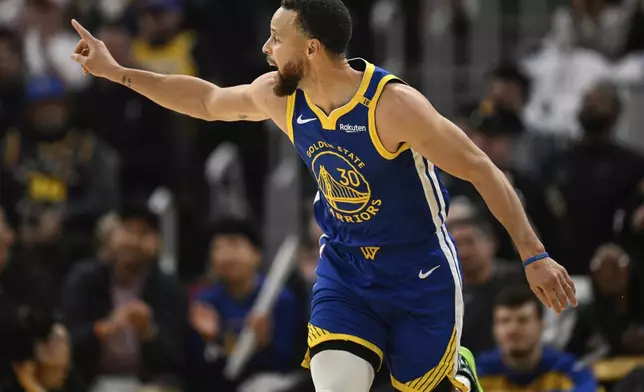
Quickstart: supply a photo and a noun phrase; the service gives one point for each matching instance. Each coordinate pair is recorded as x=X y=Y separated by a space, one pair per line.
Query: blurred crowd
x=85 y=305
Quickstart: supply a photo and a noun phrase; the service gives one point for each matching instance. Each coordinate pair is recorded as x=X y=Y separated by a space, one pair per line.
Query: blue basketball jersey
x=368 y=196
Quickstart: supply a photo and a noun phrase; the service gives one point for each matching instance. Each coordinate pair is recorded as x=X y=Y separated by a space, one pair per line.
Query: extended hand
x=551 y=283
x=139 y=315
x=93 y=55
x=205 y=320
x=261 y=326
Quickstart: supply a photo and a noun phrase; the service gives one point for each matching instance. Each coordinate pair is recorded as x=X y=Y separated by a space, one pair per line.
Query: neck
x=242 y=288
x=332 y=85
x=528 y=362
x=479 y=275
x=127 y=276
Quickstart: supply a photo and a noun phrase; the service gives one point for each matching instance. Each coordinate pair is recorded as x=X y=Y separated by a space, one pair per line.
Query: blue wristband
x=536 y=258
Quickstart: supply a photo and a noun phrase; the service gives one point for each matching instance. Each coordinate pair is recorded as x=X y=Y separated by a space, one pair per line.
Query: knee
x=341 y=371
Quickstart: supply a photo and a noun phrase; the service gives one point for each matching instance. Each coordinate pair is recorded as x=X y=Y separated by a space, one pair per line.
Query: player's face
x=517 y=330
x=286 y=49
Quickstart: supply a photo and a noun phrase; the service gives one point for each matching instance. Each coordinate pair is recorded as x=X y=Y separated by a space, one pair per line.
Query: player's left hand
x=552 y=284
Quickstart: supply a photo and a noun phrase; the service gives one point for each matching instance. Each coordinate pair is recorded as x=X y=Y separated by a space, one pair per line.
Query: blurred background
x=135 y=242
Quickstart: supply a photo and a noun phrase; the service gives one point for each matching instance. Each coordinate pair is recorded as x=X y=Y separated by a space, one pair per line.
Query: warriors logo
x=345 y=189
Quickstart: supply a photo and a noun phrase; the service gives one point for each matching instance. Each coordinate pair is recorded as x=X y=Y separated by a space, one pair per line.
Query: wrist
x=532 y=249
x=102 y=329
x=535 y=258
x=117 y=75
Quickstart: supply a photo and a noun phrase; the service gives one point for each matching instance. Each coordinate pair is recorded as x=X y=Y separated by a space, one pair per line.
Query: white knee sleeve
x=341 y=371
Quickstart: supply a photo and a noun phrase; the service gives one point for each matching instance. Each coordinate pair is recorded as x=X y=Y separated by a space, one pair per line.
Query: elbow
x=481 y=170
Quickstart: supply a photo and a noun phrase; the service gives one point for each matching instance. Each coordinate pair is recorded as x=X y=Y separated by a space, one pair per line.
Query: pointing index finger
x=82 y=31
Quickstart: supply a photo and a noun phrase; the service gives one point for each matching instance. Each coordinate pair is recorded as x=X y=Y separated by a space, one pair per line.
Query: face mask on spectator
x=594 y=122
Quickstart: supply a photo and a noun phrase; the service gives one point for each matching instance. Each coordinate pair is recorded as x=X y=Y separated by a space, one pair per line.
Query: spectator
x=588 y=183
x=35 y=351
x=127 y=318
x=161 y=45
x=48 y=43
x=521 y=362
x=613 y=324
x=600 y=25
x=509 y=89
x=12 y=100
x=561 y=74
x=220 y=312
x=56 y=179
x=483 y=277
x=149 y=141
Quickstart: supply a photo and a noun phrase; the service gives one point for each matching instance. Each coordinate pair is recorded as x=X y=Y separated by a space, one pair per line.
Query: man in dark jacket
x=590 y=182
x=34 y=352
x=126 y=318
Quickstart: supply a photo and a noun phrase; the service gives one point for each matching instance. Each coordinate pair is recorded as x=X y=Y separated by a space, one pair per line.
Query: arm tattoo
x=127 y=81
x=242 y=116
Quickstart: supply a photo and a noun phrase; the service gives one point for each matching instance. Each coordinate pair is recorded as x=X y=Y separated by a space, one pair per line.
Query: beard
x=288 y=79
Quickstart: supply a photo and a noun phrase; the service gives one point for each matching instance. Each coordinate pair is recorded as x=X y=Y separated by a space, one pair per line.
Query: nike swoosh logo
x=302 y=121
x=424 y=275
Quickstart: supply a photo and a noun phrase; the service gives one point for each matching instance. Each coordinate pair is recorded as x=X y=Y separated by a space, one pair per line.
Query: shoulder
x=561 y=361
x=86 y=271
x=397 y=96
x=261 y=92
x=402 y=107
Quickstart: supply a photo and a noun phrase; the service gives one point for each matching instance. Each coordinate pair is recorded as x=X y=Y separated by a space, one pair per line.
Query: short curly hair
x=328 y=21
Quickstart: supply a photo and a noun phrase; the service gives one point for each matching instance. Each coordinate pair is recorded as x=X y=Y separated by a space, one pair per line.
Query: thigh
x=423 y=352
x=342 y=320
x=341 y=371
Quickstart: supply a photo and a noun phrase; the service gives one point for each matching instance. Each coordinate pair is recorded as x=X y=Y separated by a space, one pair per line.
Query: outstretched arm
x=184 y=94
x=406 y=113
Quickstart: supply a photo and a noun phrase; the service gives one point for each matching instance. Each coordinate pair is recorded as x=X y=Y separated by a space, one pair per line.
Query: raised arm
x=184 y=94
x=404 y=115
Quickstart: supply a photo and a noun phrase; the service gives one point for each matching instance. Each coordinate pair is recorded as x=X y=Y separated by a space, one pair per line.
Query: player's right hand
x=93 y=55
x=552 y=284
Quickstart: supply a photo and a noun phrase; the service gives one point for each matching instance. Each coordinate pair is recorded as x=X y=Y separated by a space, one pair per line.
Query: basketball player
x=389 y=284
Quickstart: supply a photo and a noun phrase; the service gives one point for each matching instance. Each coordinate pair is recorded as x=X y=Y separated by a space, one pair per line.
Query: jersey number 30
x=349 y=177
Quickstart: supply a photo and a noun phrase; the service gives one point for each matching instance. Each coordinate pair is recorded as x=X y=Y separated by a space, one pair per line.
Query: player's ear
x=314 y=47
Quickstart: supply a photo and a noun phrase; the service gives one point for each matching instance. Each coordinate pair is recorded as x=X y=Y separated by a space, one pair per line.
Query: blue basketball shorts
x=399 y=304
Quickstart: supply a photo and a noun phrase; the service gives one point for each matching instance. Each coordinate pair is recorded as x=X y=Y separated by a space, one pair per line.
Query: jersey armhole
x=373 y=133
x=290 y=110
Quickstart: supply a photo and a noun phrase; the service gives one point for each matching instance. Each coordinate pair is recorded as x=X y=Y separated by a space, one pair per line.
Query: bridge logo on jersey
x=344 y=187
x=369 y=252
